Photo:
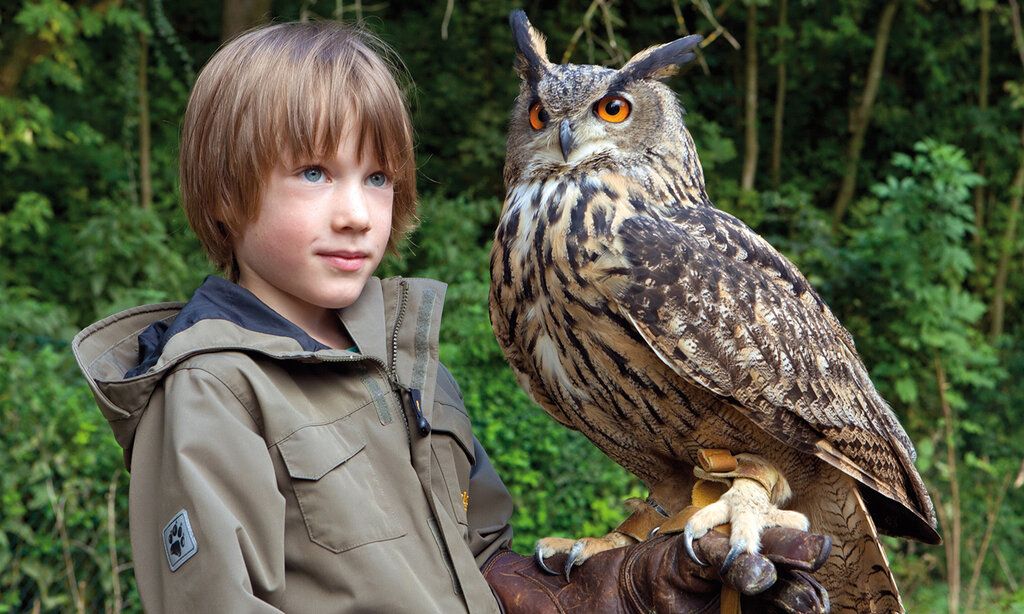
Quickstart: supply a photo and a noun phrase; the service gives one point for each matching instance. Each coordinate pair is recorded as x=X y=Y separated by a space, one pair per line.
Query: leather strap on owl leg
x=647 y=516
x=667 y=497
x=721 y=466
x=716 y=473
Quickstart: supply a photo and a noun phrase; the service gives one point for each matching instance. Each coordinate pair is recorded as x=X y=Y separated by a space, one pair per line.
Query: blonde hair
x=289 y=91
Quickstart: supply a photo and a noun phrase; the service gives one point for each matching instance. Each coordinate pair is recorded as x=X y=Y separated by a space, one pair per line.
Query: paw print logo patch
x=179 y=540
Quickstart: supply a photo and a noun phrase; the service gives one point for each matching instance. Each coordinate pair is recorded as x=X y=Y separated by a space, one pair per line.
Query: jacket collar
x=222 y=301
x=221 y=315
x=364 y=321
x=244 y=322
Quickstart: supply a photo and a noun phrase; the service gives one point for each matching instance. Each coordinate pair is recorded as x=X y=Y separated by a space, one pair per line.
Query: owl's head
x=571 y=116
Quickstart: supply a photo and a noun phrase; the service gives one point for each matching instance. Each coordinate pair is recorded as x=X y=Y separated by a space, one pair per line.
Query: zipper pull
x=417 y=407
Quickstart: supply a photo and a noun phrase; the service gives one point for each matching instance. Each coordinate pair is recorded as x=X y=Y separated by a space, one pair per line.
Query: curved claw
x=539 y=558
x=734 y=552
x=688 y=540
x=570 y=561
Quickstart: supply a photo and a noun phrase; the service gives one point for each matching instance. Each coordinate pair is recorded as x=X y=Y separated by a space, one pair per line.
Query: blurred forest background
x=878 y=143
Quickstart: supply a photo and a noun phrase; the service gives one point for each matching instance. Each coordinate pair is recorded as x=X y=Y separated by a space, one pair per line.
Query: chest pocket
x=451 y=442
x=338 y=491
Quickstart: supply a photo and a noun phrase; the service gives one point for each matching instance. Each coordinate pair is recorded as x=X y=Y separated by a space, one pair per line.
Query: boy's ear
x=531 y=52
x=660 y=61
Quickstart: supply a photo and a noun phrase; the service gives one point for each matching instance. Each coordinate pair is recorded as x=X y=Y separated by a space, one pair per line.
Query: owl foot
x=749 y=506
x=578 y=550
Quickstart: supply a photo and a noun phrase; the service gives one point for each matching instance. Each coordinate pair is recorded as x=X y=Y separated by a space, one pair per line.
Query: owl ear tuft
x=660 y=61
x=531 y=52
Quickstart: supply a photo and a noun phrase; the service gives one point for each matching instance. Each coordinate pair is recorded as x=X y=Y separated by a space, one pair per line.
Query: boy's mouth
x=345 y=260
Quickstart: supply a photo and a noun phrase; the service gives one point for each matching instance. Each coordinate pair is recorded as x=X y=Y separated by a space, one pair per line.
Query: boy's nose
x=351 y=210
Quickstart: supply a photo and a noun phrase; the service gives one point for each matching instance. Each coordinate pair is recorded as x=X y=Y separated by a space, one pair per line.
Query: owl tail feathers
x=857 y=573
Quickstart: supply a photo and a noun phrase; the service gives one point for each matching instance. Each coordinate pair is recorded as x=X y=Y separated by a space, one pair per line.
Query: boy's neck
x=320 y=323
x=329 y=331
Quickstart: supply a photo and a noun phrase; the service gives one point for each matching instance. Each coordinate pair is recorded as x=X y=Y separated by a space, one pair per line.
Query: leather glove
x=657 y=576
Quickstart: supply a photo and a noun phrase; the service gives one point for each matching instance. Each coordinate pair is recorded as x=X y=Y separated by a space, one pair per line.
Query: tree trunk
x=240 y=15
x=750 y=155
x=780 y=96
x=1006 y=247
x=145 y=177
x=20 y=55
x=1006 y=250
x=983 y=78
x=862 y=116
x=979 y=559
x=952 y=541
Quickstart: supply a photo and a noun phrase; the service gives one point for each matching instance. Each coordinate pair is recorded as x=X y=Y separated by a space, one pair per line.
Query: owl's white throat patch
x=586 y=146
x=588 y=150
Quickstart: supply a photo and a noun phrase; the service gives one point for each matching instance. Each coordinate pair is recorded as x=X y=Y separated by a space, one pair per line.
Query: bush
x=63 y=530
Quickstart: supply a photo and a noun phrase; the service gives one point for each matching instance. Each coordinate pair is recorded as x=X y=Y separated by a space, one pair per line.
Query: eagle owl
x=634 y=311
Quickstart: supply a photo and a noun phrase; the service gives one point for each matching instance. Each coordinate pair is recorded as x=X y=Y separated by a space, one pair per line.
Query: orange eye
x=614 y=109
x=538 y=116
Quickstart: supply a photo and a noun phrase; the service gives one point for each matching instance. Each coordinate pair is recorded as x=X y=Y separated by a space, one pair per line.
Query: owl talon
x=688 y=540
x=571 y=560
x=538 y=556
x=737 y=549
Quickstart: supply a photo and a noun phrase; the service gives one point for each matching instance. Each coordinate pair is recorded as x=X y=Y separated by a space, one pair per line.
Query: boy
x=293 y=441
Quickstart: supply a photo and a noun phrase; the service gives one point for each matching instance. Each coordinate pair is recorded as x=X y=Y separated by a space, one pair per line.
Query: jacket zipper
x=402 y=303
x=388 y=374
x=392 y=368
x=413 y=397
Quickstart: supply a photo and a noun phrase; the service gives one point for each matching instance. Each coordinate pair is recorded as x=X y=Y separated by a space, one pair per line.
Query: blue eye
x=313 y=174
x=377 y=180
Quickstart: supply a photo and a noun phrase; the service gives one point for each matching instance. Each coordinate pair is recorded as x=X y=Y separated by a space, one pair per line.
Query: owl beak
x=565 y=138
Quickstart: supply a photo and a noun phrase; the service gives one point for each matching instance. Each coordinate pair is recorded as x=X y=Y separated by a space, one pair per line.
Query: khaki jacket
x=269 y=472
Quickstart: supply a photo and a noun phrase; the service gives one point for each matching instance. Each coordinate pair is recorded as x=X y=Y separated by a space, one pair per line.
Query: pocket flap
x=312 y=451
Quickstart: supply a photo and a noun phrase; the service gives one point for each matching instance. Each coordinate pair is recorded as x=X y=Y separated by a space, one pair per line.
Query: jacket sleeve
x=490 y=509
x=199 y=451
x=490 y=504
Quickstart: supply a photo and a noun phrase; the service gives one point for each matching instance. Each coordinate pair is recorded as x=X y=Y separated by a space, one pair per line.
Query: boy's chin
x=343 y=297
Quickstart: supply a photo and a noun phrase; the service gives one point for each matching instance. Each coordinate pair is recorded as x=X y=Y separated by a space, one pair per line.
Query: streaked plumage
x=635 y=312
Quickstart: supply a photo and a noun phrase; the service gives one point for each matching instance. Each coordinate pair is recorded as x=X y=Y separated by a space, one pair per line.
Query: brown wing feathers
x=736 y=317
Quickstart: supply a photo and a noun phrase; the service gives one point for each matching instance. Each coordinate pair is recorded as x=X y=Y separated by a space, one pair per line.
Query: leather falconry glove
x=657 y=575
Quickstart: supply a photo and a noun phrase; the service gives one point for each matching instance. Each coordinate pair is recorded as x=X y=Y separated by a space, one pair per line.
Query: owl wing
x=726 y=311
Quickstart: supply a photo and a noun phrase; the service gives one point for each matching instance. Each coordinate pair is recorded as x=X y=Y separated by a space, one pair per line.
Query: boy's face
x=321 y=231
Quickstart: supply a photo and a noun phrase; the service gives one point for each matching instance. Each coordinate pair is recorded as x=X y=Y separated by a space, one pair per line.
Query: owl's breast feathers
x=714 y=302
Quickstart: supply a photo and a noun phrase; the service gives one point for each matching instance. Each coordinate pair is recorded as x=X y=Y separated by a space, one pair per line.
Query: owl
x=635 y=312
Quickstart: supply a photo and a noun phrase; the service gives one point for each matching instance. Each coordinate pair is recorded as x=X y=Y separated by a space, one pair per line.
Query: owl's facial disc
x=609 y=110
x=581 y=132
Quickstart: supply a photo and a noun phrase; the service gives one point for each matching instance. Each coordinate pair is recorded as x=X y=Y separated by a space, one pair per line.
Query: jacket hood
x=125 y=356
x=217 y=299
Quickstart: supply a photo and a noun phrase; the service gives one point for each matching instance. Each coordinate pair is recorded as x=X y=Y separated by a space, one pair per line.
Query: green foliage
x=60 y=460
x=905 y=268
x=907 y=256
